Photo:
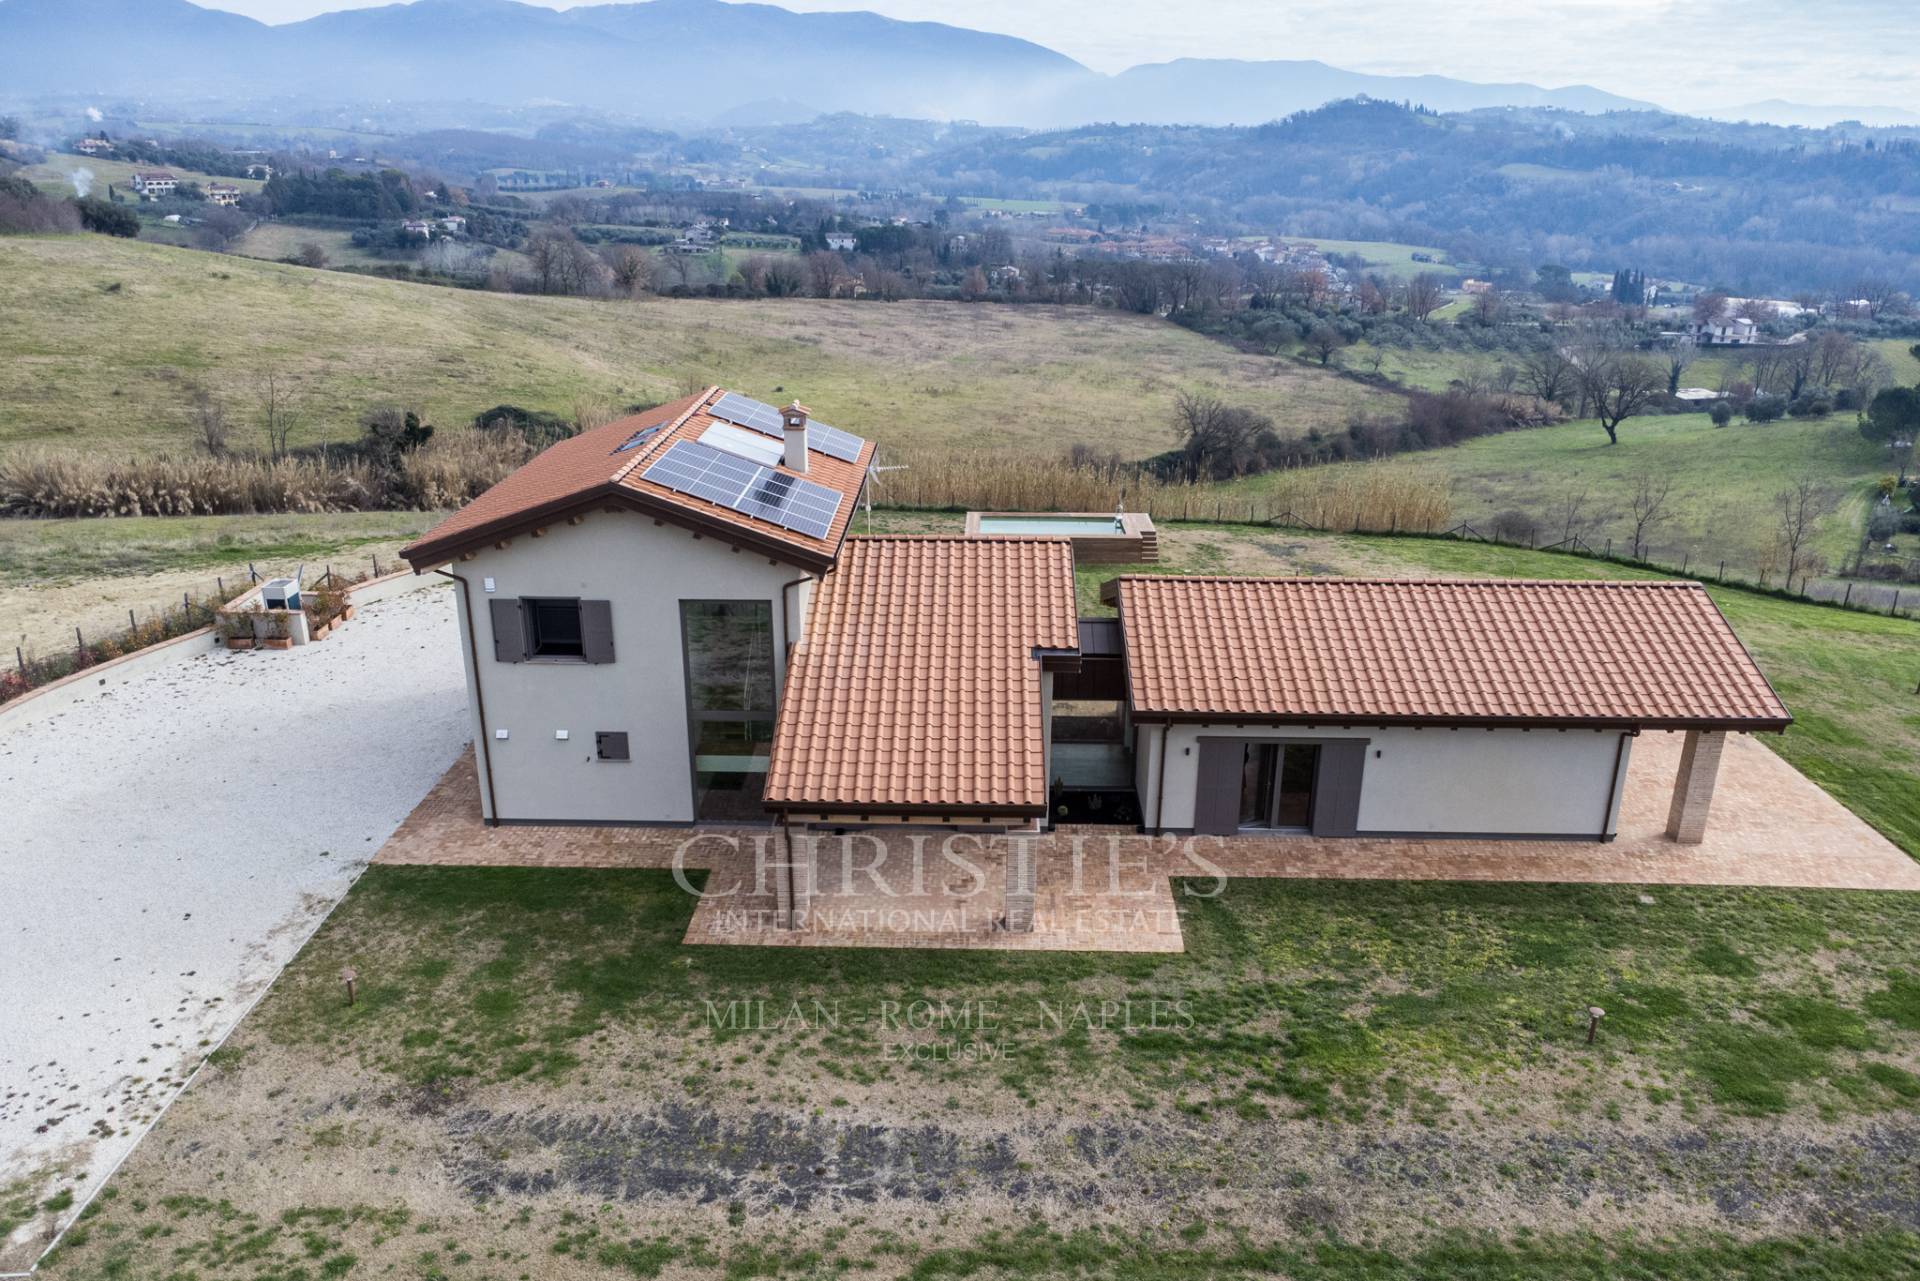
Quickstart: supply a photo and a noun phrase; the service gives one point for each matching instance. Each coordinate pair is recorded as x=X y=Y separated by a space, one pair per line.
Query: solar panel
x=759 y=416
x=704 y=472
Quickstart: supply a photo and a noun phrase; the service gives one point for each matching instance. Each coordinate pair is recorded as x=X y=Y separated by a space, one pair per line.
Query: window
x=553 y=629
x=611 y=745
x=730 y=701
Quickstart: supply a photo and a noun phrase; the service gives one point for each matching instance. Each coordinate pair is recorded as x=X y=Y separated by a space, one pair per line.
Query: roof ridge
x=667 y=430
x=989 y=540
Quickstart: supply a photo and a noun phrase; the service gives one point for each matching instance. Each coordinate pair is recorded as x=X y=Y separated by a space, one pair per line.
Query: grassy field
x=907 y=374
x=1387 y=257
x=56 y=575
x=54 y=174
x=275 y=241
x=1724 y=481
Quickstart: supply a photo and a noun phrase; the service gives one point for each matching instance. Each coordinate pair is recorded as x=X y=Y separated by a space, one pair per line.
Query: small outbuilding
x=1428 y=709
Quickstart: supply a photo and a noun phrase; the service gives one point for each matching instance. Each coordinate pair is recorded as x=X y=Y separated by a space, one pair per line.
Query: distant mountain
x=1776 y=111
x=690 y=62
x=1226 y=91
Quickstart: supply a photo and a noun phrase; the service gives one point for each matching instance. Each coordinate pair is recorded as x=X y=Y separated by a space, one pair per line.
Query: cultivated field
x=102 y=342
x=1366 y=1081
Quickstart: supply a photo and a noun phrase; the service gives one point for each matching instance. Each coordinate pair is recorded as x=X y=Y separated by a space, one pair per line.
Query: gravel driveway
x=168 y=844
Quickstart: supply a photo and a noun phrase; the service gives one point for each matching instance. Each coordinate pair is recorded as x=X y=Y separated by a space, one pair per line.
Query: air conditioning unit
x=280 y=593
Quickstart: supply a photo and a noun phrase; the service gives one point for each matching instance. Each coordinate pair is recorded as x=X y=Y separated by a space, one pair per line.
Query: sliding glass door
x=1276 y=786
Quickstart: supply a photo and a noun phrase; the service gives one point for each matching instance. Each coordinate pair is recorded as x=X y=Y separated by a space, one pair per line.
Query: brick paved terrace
x=1110 y=889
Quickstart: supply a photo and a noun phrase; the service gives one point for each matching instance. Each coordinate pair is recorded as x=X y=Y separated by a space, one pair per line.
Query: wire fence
x=163 y=622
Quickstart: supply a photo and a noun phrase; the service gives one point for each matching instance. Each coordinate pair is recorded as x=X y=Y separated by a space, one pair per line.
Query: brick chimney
x=794 y=420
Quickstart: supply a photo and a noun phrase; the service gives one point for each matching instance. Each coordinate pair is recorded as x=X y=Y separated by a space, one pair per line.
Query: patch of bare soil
x=511 y=1171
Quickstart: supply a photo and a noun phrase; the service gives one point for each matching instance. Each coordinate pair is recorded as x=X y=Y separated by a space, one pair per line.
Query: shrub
x=1810 y=407
x=1765 y=409
x=1721 y=413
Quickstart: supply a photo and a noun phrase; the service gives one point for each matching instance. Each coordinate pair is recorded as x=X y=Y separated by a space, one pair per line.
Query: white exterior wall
x=1440 y=781
x=645 y=571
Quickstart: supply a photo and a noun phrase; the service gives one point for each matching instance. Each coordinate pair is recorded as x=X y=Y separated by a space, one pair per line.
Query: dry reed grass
x=1371 y=497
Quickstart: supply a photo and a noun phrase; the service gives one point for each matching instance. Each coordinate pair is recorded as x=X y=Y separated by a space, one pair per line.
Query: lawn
x=908 y=374
x=534 y=1075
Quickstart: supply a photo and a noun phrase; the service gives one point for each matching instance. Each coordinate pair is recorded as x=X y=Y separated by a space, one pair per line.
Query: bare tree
x=632 y=269
x=1617 y=385
x=1424 y=294
x=276 y=417
x=1549 y=374
x=1708 y=307
x=311 y=254
x=210 y=417
x=1679 y=356
x=1649 y=507
x=1571 y=508
x=1798 y=513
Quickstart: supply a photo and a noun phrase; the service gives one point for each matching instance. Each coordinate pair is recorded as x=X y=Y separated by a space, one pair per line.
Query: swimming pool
x=1068 y=525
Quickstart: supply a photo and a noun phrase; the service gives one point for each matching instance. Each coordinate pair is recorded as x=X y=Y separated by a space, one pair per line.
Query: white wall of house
x=644 y=570
x=1435 y=781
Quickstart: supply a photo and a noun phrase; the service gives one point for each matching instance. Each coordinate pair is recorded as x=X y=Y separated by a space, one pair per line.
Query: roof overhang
x=612 y=496
x=1323 y=720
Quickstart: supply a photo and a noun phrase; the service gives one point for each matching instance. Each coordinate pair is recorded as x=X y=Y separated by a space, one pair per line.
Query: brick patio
x=1110 y=889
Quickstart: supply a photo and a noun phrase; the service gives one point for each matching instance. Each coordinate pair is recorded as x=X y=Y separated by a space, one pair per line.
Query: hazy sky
x=1680 y=53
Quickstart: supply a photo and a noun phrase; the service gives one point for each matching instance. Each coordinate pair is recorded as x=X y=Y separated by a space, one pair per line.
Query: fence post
x=186 y=604
x=1896 y=602
x=376 y=564
x=221 y=583
x=1723 y=569
x=79 y=642
x=253 y=575
x=329 y=575
x=1609 y=551
x=1848 y=598
x=21 y=659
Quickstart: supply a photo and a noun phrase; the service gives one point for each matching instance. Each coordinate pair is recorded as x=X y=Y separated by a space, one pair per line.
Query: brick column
x=1693 y=786
x=1020 y=885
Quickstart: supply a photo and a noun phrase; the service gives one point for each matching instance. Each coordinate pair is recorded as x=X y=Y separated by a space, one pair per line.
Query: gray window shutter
x=1336 y=791
x=596 y=630
x=509 y=631
x=1216 y=797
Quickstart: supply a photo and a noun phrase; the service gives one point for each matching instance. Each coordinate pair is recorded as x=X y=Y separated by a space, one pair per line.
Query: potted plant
x=278 y=634
x=236 y=628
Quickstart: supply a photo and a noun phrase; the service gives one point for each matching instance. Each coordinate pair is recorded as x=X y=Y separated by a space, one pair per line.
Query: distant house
x=1476 y=287
x=1699 y=395
x=264 y=171
x=416 y=227
x=1003 y=277
x=842 y=242
x=153 y=184
x=221 y=193
x=93 y=146
x=454 y=225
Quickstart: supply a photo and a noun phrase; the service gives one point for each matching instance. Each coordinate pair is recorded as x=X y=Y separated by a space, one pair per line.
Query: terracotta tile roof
x=1293 y=649
x=585 y=469
x=915 y=687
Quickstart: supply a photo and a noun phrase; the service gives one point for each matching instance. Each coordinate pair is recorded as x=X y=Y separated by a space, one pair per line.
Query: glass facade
x=1276 y=785
x=730 y=703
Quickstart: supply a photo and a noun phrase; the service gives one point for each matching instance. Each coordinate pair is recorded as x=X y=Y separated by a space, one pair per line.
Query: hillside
x=103 y=341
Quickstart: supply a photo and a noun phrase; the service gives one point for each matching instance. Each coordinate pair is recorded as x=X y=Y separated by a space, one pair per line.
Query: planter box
x=278 y=642
x=239 y=642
